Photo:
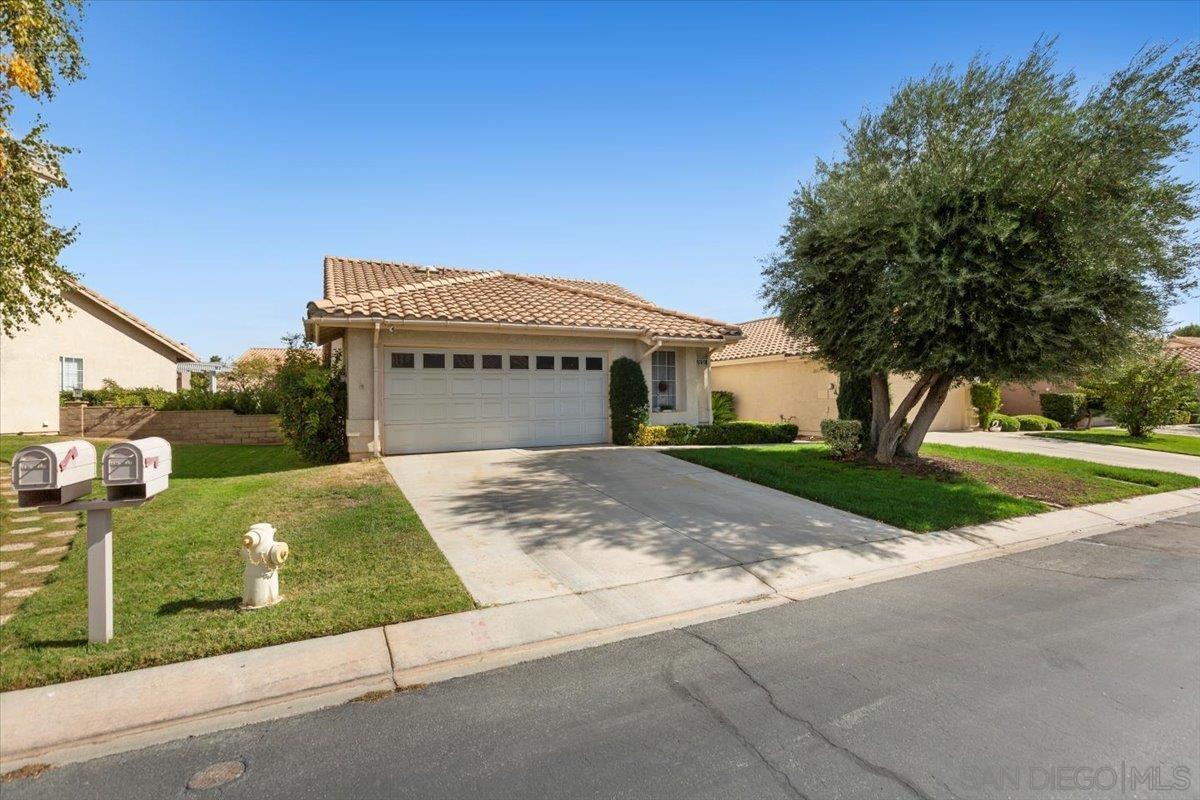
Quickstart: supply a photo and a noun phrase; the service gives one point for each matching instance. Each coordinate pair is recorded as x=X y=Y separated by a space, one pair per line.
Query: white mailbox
x=136 y=470
x=54 y=473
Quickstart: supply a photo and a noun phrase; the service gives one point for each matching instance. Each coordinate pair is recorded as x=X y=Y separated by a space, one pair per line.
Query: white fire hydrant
x=263 y=557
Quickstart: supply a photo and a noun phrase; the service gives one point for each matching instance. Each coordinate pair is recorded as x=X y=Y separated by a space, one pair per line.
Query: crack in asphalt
x=1095 y=577
x=869 y=766
x=780 y=776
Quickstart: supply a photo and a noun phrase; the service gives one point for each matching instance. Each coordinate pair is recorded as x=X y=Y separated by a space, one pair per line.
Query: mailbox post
x=52 y=476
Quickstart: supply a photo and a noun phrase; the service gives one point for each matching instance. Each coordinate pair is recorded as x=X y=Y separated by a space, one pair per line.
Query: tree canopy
x=997 y=223
x=38 y=49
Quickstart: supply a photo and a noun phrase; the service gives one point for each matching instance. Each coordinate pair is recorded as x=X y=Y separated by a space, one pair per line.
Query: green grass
x=921 y=503
x=1163 y=442
x=360 y=557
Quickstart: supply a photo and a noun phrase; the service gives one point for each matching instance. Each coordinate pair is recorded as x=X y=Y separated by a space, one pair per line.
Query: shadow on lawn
x=196 y=604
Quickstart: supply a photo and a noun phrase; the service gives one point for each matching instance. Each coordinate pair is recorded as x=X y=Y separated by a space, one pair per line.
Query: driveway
x=1100 y=453
x=524 y=524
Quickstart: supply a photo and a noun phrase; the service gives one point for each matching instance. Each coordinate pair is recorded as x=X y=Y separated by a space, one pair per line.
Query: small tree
x=1141 y=395
x=1192 y=329
x=986 y=399
x=312 y=404
x=628 y=399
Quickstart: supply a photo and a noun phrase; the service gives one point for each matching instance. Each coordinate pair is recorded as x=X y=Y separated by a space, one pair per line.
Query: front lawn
x=360 y=557
x=955 y=486
x=1163 y=442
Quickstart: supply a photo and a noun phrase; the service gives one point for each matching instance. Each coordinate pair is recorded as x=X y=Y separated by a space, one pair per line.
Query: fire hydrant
x=263 y=557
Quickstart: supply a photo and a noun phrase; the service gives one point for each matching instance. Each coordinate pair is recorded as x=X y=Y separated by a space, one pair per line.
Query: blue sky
x=226 y=147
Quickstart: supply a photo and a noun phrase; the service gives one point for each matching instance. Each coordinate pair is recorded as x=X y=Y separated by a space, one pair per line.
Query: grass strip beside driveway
x=962 y=486
x=1162 y=442
x=360 y=558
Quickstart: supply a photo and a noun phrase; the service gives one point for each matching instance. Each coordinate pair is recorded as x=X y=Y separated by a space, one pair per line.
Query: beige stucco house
x=94 y=340
x=441 y=358
x=773 y=376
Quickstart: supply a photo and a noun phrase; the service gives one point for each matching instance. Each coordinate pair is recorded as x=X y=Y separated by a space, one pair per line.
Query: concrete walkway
x=520 y=525
x=1100 y=453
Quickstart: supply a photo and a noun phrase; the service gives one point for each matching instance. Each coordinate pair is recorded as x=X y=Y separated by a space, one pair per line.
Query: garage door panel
x=434 y=409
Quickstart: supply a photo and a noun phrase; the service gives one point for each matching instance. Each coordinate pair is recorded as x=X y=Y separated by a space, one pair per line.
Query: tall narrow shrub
x=312 y=405
x=985 y=397
x=854 y=400
x=628 y=399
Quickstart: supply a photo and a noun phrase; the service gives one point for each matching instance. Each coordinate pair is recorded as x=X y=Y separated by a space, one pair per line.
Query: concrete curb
x=89 y=718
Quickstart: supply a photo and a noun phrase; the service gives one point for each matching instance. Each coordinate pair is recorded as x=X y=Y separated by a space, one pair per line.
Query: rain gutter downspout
x=378 y=392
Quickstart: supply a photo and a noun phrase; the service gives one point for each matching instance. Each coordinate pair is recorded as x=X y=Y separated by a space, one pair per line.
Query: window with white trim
x=71 y=374
x=662 y=378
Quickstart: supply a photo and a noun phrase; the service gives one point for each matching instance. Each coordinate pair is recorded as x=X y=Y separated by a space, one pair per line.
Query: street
x=1070 y=671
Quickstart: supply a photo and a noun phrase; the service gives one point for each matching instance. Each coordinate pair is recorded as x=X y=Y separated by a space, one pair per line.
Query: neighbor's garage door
x=473 y=399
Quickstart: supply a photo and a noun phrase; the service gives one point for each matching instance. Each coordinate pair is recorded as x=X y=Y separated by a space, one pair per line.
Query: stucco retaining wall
x=188 y=427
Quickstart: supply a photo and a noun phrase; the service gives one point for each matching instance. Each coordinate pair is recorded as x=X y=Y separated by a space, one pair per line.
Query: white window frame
x=62 y=373
x=664 y=368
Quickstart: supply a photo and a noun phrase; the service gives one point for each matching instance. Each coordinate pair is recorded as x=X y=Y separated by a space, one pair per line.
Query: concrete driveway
x=524 y=524
x=1100 y=453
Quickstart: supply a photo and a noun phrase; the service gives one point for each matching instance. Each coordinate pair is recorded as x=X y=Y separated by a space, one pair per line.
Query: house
x=441 y=358
x=94 y=340
x=273 y=355
x=773 y=376
x=1017 y=398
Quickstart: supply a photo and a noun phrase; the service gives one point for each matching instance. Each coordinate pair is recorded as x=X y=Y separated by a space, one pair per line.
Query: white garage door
x=474 y=399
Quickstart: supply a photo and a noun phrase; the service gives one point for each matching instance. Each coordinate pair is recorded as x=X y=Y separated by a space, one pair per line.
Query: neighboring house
x=773 y=375
x=275 y=355
x=441 y=358
x=95 y=339
x=1016 y=398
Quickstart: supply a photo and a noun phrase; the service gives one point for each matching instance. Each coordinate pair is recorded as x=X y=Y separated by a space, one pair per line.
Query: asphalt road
x=1071 y=671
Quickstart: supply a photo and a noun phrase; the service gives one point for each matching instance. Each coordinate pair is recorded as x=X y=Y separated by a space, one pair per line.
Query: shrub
x=1035 y=422
x=628 y=399
x=649 y=436
x=985 y=397
x=1143 y=394
x=723 y=408
x=681 y=433
x=1066 y=408
x=1182 y=417
x=312 y=405
x=854 y=400
x=746 y=432
x=1007 y=424
x=843 y=436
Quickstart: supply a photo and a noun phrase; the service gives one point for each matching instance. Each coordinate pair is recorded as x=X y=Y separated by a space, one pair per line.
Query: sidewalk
x=99 y=716
x=1063 y=448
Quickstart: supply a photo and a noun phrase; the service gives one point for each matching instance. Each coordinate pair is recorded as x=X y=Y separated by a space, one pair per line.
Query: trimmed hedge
x=628 y=399
x=842 y=436
x=741 y=432
x=1034 y=422
x=1066 y=408
x=1007 y=424
x=854 y=400
x=985 y=397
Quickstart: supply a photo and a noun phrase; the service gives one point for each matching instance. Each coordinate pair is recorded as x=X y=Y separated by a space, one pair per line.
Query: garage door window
x=403 y=361
x=570 y=362
x=593 y=363
x=464 y=361
x=493 y=362
x=545 y=362
x=662 y=375
x=433 y=360
x=518 y=362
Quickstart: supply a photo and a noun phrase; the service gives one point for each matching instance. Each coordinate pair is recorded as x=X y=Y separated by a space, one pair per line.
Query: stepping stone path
x=32 y=544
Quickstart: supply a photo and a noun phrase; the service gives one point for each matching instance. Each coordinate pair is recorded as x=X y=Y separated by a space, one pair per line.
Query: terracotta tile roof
x=401 y=291
x=268 y=353
x=761 y=338
x=182 y=351
x=1187 y=348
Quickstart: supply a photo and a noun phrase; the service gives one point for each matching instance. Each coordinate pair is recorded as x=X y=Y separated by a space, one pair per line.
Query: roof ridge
x=760 y=319
x=628 y=301
x=392 y=291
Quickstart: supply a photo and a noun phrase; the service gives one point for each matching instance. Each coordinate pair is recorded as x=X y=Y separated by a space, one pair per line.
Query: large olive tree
x=993 y=222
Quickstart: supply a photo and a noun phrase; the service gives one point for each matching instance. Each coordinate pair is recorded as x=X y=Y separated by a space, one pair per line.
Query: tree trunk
x=881 y=407
x=889 y=436
x=938 y=390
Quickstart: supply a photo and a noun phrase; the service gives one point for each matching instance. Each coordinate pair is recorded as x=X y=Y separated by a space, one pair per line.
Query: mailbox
x=136 y=470
x=54 y=473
